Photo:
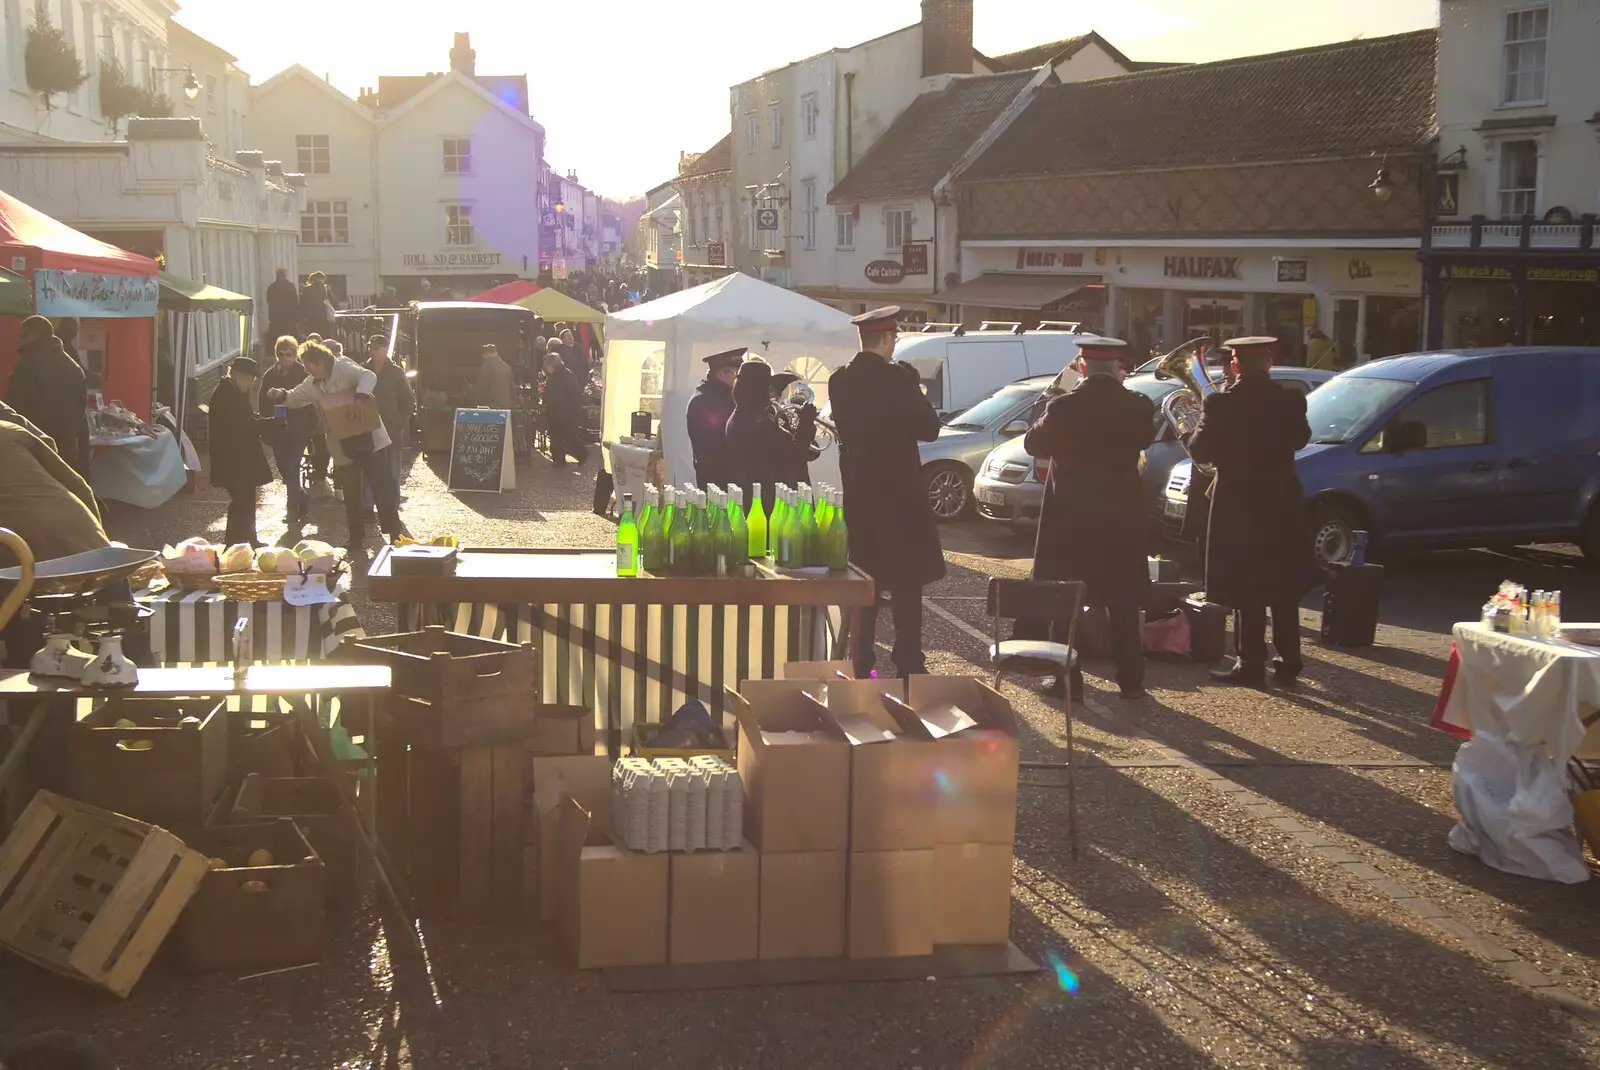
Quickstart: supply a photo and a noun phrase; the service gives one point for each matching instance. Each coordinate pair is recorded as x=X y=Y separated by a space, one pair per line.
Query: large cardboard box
x=562 y=730
x=816 y=670
x=587 y=778
x=802 y=905
x=971 y=731
x=713 y=906
x=972 y=893
x=890 y=904
x=611 y=903
x=346 y=413
x=795 y=767
x=892 y=786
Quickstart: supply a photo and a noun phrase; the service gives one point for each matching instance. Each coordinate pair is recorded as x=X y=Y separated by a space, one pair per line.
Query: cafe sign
x=93 y=295
x=885 y=272
x=450 y=261
x=1201 y=267
x=716 y=254
x=914 y=257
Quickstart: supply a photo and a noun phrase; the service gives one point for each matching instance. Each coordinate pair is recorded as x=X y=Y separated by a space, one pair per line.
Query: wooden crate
x=314 y=804
x=247 y=917
x=453 y=690
x=164 y=771
x=452 y=823
x=91 y=894
x=266 y=743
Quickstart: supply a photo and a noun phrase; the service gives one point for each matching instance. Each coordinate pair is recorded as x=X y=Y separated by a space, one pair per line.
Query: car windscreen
x=992 y=408
x=1344 y=407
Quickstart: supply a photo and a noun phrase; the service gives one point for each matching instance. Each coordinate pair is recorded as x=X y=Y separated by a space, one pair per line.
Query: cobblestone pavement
x=1263 y=882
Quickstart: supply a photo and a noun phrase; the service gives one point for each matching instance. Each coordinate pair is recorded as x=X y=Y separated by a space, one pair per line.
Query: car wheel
x=949 y=491
x=1333 y=533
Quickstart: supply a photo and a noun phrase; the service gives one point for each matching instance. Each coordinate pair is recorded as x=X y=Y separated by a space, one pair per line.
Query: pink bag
x=1170 y=635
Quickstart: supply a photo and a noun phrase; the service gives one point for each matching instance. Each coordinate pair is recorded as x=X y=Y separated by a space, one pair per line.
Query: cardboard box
x=587 y=778
x=562 y=730
x=890 y=904
x=611 y=903
x=892 y=786
x=802 y=905
x=972 y=732
x=816 y=670
x=713 y=906
x=346 y=413
x=972 y=893
x=795 y=767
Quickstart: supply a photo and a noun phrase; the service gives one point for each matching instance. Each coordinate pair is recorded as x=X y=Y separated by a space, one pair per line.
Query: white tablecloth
x=1530 y=705
x=138 y=470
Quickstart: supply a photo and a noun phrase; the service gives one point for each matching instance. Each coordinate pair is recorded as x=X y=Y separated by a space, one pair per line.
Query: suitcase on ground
x=1350 y=604
x=1208 y=629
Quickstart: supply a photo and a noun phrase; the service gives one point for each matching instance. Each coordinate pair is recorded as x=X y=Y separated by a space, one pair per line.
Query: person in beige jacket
x=495 y=387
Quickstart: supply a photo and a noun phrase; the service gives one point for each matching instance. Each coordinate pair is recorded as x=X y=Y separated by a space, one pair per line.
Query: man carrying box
x=357 y=439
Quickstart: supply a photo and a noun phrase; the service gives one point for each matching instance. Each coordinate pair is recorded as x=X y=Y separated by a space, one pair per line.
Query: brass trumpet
x=796 y=397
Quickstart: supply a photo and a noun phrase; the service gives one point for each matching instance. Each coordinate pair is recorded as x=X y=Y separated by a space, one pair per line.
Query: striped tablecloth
x=195 y=627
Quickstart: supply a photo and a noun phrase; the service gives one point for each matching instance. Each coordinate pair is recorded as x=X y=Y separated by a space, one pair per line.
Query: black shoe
x=1133 y=694
x=1242 y=675
x=1285 y=672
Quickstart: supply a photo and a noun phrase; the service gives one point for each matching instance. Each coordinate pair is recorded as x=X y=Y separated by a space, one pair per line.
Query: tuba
x=795 y=398
x=1182 y=406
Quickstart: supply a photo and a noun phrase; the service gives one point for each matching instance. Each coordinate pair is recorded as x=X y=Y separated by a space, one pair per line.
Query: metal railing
x=1524 y=233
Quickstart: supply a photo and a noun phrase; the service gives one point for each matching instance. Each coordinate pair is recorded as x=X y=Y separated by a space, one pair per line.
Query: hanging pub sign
x=716 y=254
x=1293 y=270
x=885 y=272
x=1201 y=267
x=766 y=219
x=92 y=295
x=1447 y=193
x=914 y=257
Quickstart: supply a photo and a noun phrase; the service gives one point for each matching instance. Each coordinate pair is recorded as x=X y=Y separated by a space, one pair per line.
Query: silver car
x=950 y=462
x=1009 y=486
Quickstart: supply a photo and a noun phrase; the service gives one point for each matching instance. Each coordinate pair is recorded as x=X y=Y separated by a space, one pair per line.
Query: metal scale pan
x=79 y=573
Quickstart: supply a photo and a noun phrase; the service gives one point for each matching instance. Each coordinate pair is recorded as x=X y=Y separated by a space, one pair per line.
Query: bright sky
x=622 y=86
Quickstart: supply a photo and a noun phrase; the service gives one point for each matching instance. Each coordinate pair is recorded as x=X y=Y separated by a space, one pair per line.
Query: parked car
x=960 y=368
x=950 y=461
x=1432 y=450
x=1009 y=486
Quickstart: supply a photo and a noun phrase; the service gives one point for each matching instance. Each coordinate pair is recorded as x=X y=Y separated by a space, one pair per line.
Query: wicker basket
x=192 y=581
x=251 y=586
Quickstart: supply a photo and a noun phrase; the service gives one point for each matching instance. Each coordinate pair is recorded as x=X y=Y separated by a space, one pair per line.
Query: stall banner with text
x=480 y=451
x=93 y=295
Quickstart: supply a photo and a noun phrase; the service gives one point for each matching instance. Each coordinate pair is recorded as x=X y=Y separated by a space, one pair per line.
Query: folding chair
x=1059 y=601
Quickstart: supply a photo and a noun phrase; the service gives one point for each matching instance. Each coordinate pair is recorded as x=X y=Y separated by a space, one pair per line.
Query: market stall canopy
x=16 y=295
x=48 y=243
x=1031 y=292
x=179 y=294
x=506 y=292
x=557 y=307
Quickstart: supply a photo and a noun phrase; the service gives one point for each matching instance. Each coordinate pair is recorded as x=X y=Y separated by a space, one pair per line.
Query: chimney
x=465 y=60
x=946 y=37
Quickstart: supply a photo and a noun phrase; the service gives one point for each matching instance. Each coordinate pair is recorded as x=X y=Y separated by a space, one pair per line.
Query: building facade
x=704 y=186
x=444 y=185
x=1511 y=256
x=1217 y=213
x=222 y=102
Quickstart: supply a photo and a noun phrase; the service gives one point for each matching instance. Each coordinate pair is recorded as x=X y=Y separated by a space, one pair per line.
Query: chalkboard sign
x=480 y=451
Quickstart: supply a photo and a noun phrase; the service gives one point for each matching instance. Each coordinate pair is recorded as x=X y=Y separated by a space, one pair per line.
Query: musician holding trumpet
x=767 y=443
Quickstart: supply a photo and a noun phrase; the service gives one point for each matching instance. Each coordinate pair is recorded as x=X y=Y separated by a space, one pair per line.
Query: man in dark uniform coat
x=1258 y=555
x=881 y=414
x=708 y=414
x=1093 y=523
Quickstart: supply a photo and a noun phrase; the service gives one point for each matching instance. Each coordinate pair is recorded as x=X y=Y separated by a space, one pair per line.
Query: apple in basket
x=237 y=558
x=190 y=555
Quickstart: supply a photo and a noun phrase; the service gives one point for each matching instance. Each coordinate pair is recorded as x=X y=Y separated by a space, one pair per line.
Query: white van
x=960 y=368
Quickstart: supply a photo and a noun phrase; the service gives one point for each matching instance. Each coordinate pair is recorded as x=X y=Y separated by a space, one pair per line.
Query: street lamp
x=191 y=84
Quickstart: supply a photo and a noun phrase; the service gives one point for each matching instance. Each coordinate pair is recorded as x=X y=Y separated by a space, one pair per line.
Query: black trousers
x=375 y=467
x=1250 y=634
x=905 y=604
x=241 y=516
x=567 y=442
x=1127 y=642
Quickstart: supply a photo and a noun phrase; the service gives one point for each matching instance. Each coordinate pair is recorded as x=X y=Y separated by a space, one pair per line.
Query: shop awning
x=16 y=295
x=179 y=294
x=1030 y=292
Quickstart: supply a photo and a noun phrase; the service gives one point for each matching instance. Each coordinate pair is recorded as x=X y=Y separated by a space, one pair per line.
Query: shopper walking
x=288 y=437
x=563 y=412
x=396 y=404
x=49 y=388
x=283 y=307
x=238 y=464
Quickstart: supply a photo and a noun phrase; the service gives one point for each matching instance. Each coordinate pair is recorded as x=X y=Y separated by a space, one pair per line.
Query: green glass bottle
x=627 y=540
x=648 y=507
x=791 y=548
x=738 y=527
x=814 y=553
x=680 y=545
x=824 y=520
x=722 y=537
x=652 y=536
x=756 y=523
x=780 y=510
x=838 y=537
x=703 y=554
x=669 y=496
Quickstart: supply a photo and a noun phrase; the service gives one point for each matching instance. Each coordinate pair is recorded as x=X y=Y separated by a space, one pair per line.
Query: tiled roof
x=929 y=137
x=1038 y=55
x=1338 y=100
x=718 y=157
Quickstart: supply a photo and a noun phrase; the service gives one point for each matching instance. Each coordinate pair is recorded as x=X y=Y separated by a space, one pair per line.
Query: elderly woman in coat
x=238 y=463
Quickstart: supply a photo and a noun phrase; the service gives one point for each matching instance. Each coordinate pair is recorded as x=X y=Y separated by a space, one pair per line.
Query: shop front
x=1546 y=303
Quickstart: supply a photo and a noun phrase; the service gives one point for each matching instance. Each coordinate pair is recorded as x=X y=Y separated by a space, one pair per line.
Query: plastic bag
x=1515 y=814
x=1169 y=635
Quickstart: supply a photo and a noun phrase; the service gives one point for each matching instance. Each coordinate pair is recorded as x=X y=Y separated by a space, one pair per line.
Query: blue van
x=1430 y=450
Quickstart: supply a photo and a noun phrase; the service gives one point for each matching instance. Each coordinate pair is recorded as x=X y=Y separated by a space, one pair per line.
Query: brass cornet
x=796 y=397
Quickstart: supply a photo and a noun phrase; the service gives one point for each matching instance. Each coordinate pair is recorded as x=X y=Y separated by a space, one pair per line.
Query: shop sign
x=558 y=269
x=92 y=295
x=766 y=219
x=716 y=254
x=1308 y=312
x=914 y=256
x=1294 y=270
x=885 y=272
x=1478 y=271
x=1048 y=259
x=1202 y=267
x=1447 y=193
x=1561 y=274
x=450 y=261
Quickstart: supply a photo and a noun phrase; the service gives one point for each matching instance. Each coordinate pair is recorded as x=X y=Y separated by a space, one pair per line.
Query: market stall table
x=137 y=469
x=632 y=648
x=1542 y=698
x=196 y=627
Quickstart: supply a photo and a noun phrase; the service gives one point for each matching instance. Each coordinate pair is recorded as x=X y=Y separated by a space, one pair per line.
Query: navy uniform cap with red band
x=878 y=321
x=1260 y=343
x=1102 y=349
x=728 y=358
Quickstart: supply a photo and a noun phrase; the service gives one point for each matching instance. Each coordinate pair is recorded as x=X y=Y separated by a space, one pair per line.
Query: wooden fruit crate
x=463 y=691
x=91 y=894
x=166 y=771
x=266 y=743
x=314 y=804
x=452 y=823
x=246 y=917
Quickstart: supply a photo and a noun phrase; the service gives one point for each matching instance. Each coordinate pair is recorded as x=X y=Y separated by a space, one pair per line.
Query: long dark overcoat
x=237 y=461
x=760 y=450
x=881 y=414
x=1258 y=552
x=707 y=415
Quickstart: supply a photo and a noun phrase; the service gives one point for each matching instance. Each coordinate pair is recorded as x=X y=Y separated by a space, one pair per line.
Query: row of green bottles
x=627 y=540
x=690 y=533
